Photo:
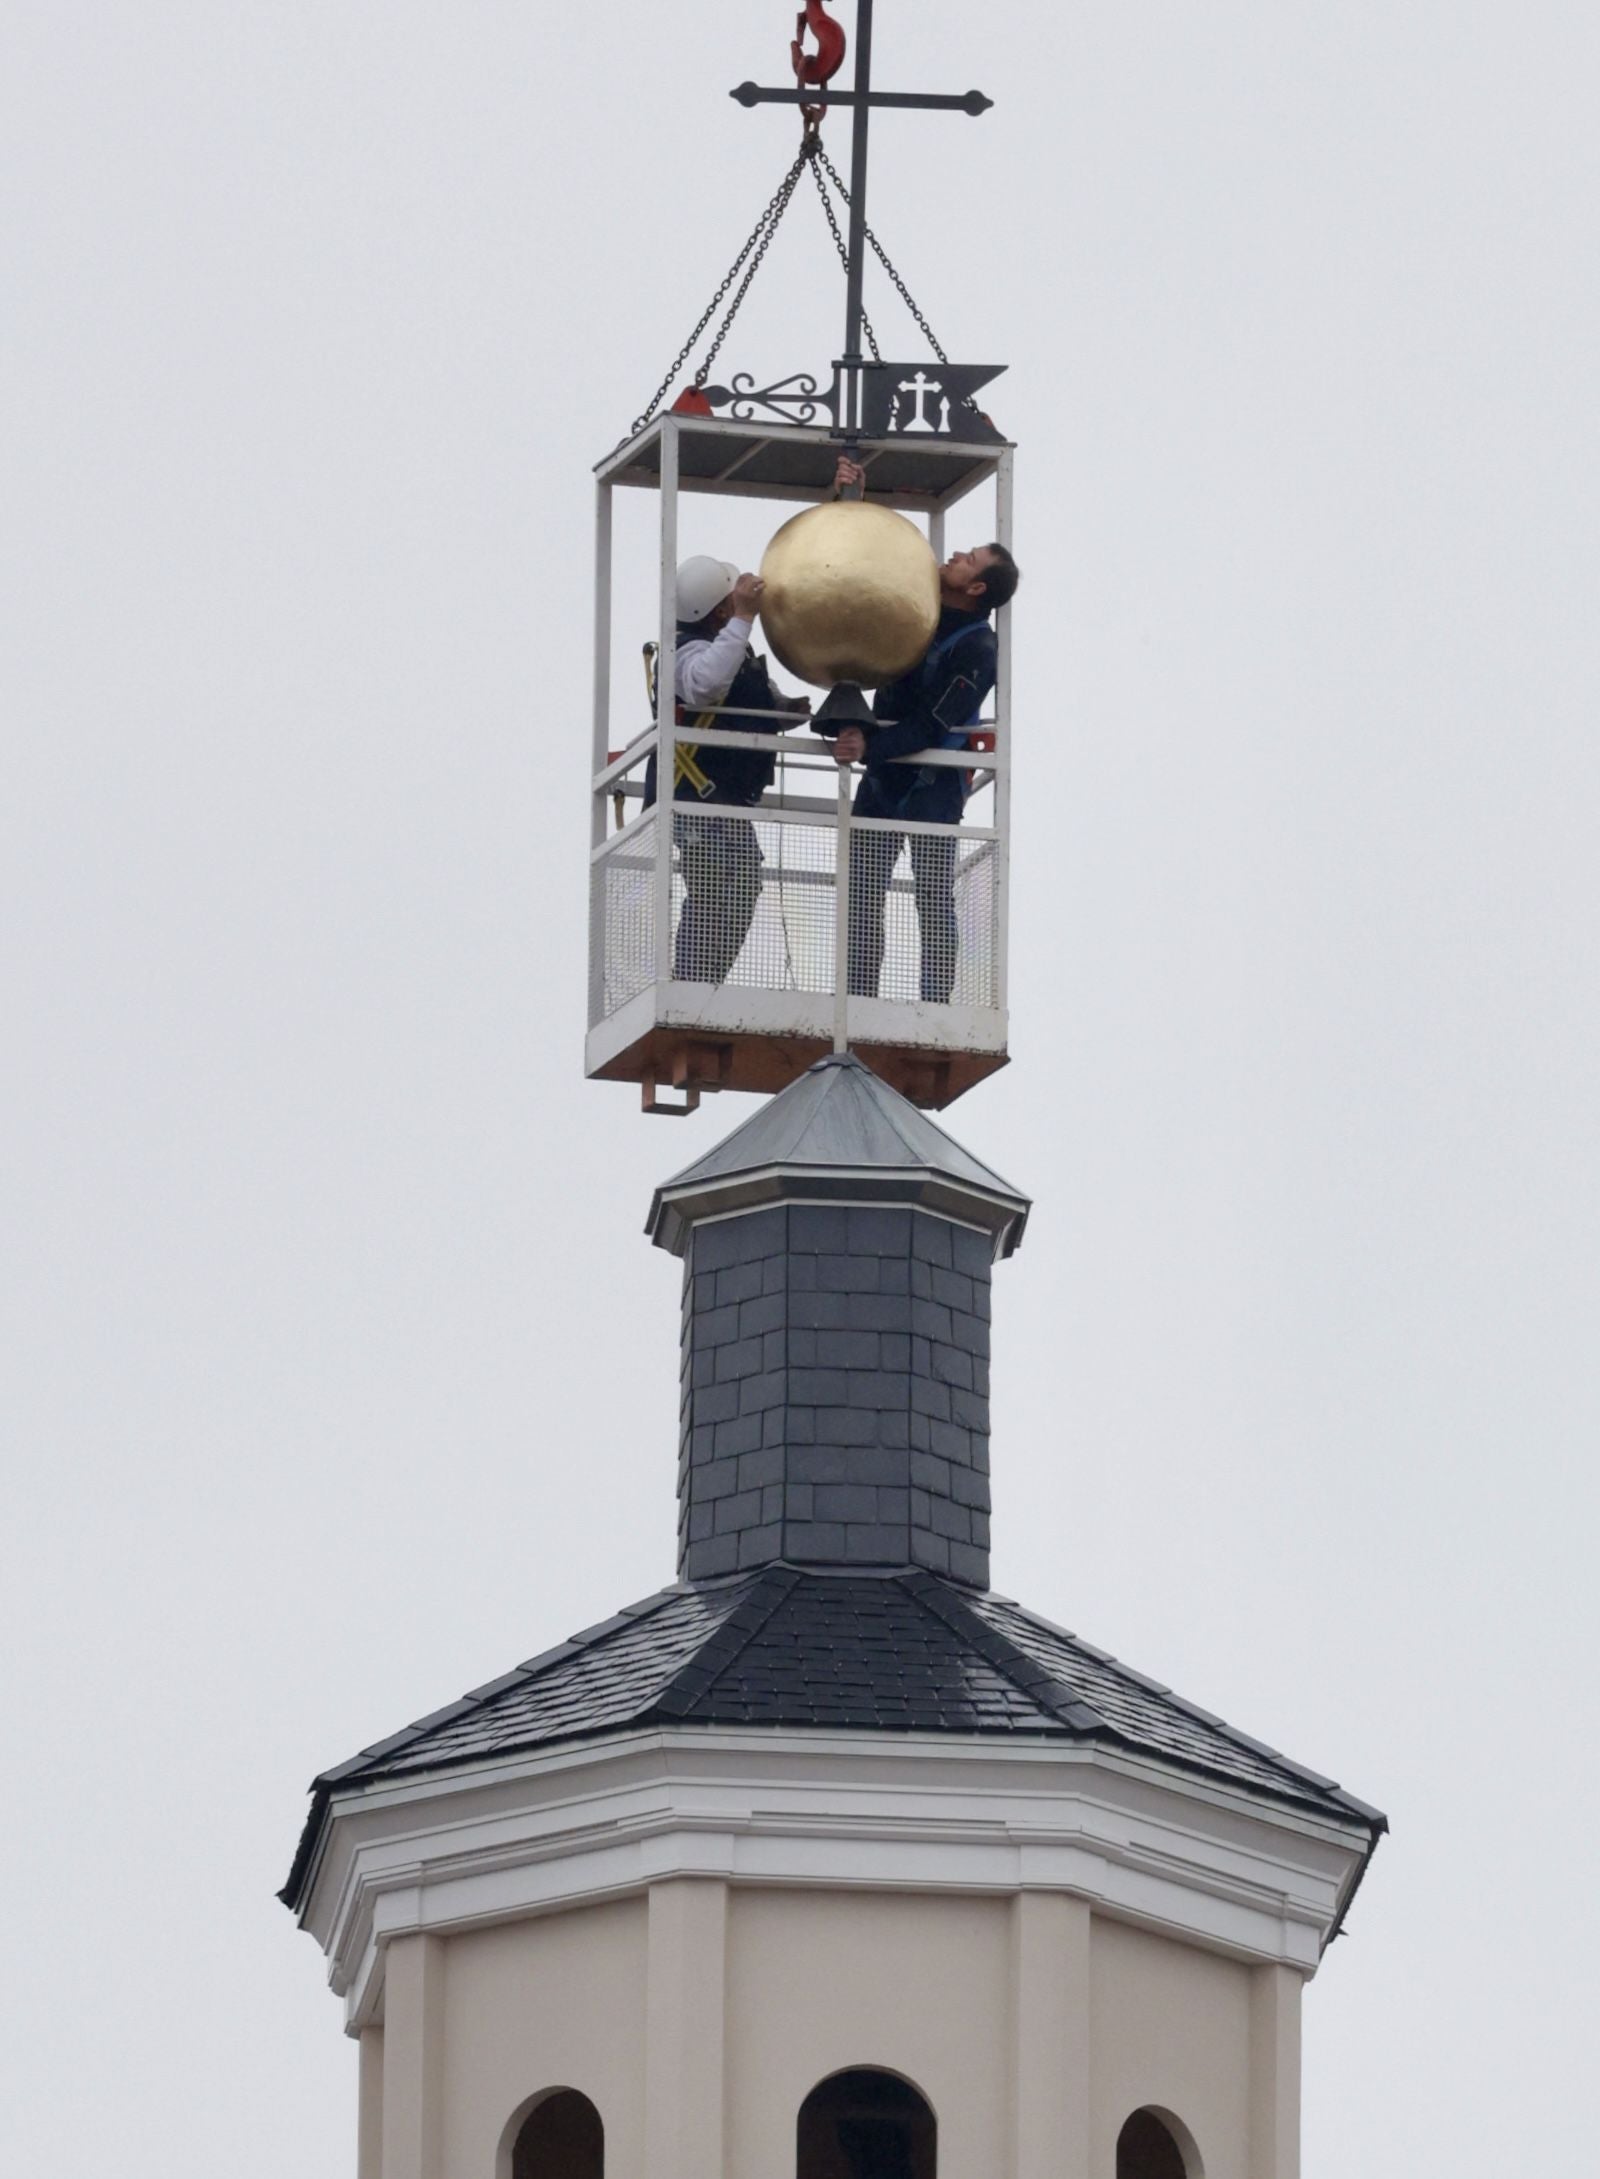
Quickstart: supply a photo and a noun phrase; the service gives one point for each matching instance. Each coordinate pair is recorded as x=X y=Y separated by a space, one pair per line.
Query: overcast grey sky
x=338 y=1376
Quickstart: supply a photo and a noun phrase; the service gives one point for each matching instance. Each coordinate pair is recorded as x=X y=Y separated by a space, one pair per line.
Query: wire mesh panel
x=977 y=979
x=922 y=915
x=752 y=902
x=622 y=933
x=753 y=908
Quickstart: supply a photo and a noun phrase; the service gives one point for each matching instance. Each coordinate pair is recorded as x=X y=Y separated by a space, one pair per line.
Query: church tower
x=825 y=1861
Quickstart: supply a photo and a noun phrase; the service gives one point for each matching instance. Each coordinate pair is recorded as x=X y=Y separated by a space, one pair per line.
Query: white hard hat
x=703 y=583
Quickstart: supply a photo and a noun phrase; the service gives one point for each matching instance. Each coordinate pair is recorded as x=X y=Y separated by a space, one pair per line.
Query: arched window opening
x=561 y=2138
x=866 y=2125
x=1147 y=2148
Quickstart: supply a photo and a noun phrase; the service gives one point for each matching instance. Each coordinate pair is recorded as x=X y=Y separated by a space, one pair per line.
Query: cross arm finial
x=813 y=93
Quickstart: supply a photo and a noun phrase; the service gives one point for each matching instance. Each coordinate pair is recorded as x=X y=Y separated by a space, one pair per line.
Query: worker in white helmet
x=720 y=683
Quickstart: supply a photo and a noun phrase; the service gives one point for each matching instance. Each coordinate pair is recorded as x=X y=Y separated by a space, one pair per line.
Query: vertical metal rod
x=841 y=917
x=666 y=701
x=1002 y=741
x=600 y=749
x=602 y=656
x=860 y=121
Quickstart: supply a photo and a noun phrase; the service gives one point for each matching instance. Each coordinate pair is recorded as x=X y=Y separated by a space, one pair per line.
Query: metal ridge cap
x=1300 y=1778
x=367 y=1766
x=677 y=1207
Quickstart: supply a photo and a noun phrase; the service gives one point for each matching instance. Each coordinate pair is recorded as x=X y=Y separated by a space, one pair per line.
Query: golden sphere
x=852 y=594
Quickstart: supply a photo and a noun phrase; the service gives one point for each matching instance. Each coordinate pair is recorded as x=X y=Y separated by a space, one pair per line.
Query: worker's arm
x=705 y=670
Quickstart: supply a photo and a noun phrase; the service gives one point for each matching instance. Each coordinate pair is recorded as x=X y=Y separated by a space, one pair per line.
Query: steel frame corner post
x=841 y=915
x=666 y=700
x=1003 y=515
x=600 y=751
x=860 y=123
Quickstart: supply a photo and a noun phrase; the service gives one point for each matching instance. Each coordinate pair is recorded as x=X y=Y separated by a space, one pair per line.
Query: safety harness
x=685 y=754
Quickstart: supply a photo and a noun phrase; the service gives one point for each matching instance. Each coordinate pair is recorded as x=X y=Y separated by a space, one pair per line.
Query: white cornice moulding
x=931 y=1813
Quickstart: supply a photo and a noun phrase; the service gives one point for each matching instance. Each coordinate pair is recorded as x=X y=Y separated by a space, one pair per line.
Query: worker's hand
x=799 y=705
x=851 y=746
x=847 y=474
x=747 y=594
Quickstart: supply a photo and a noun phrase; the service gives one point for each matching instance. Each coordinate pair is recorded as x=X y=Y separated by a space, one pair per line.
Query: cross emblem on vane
x=918 y=386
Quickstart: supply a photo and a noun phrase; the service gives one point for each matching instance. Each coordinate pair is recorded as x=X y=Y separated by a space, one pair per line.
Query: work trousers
x=873 y=856
x=719 y=861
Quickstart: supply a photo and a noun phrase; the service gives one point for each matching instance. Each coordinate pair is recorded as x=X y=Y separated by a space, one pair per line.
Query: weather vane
x=870 y=396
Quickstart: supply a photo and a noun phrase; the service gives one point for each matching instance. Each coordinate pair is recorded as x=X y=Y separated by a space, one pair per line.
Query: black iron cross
x=863 y=98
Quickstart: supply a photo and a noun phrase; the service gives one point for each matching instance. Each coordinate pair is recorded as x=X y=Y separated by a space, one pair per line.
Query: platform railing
x=755 y=903
x=798 y=752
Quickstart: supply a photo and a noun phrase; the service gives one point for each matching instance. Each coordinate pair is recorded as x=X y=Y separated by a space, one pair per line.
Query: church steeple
x=825 y=1862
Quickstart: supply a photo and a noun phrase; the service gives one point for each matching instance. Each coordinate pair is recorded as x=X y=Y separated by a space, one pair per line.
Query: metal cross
x=863 y=98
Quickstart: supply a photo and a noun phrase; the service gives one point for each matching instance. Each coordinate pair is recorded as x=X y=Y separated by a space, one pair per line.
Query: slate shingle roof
x=879 y=1653
x=1143 y=1713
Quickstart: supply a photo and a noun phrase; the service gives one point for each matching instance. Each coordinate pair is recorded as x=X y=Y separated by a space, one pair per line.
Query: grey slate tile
x=739 y=1434
x=846 y=1502
x=846 y=1426
x=740 y=1282
x=815 y=1540
x=818 y=1228
x=765 y=1313
x=743 y=1358
x=847 y=1350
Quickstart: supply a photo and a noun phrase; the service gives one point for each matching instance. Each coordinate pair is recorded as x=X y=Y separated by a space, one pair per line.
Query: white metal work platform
x=666 y=1008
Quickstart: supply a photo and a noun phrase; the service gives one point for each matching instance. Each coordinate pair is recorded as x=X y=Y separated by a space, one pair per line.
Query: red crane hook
x=824 y=64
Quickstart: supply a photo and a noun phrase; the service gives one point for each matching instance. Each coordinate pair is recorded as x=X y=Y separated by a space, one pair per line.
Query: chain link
x=776 y=210
x=882 y=257
x=760 y=236
x=820 y=160
x=748 y=262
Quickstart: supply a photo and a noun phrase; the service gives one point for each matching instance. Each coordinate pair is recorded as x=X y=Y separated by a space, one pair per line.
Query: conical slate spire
x=837 y=1254
x=838 y=1133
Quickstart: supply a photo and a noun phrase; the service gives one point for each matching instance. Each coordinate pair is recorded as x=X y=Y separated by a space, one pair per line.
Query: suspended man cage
x=731 y=946
x=665 y=1010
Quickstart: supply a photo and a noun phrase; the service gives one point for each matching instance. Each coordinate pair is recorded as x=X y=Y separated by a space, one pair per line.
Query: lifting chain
x=761 y=235
x=773 y=214
x=748 y=263
x=818 y=161
x=882 y=256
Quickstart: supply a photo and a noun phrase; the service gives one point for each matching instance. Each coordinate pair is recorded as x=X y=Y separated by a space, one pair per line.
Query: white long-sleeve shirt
x=706 y=667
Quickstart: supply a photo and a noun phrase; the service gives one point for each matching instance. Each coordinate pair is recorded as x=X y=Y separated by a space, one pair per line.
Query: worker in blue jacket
x=934 y=706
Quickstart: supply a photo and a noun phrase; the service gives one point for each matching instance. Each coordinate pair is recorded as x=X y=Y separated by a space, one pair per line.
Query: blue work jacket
x=934 y=706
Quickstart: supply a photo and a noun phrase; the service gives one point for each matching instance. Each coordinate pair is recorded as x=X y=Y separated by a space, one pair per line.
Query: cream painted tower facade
x=826 y=1862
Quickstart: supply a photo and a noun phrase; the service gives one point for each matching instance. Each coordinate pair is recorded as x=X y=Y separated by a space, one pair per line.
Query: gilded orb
x=852 y=594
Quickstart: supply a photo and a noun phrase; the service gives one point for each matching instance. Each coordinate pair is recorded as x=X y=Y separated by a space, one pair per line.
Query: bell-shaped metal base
x=844 y=705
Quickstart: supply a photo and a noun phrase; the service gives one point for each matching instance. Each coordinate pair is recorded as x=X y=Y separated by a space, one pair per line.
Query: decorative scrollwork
x=796 y=399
